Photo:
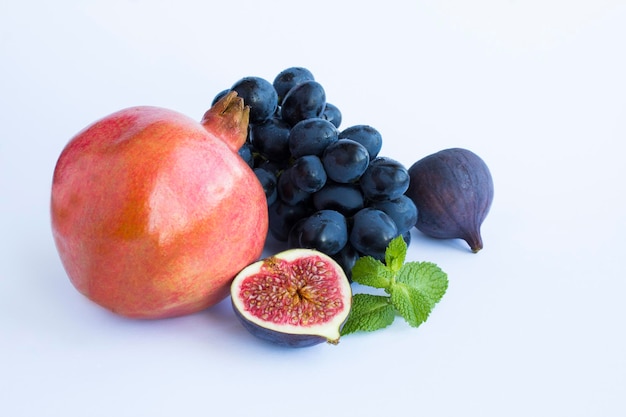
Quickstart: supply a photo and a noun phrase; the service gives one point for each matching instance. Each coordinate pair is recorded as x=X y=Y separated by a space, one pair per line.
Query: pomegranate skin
x=153 y=213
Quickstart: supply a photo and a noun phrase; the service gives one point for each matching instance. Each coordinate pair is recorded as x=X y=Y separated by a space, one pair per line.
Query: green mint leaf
x=414 y=289
x=425 y=277
x=412 y=304
x=371 y=272
x=369 y=312
x=395 y=254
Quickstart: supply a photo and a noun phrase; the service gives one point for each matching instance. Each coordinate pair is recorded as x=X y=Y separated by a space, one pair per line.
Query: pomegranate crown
x=228 y=119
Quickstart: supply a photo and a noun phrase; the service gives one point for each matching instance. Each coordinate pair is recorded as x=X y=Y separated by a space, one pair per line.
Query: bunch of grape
x=326 y=188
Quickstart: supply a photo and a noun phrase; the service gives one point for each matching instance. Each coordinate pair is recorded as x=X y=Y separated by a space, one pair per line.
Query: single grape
x=384 y=179
x=289 y=192
x=275 y=167
x=332 y=114
x=282 y=218
x=372 y=230
x=345 y=160
x=311 y=137
x=293 y=238
x=345 y=198
x=304 y=101
x=366 y=136
x=219 y=95
x=271 y=139
x=245 y=152
x=260 y=95
x=346 y=258
x=407 y=238
x=289 y=78
x=268 y=181
x=308 y=173
x=325 y=230
x=402 y=210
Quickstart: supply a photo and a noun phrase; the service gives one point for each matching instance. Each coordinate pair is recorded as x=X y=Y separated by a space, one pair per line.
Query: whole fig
x=453 y=192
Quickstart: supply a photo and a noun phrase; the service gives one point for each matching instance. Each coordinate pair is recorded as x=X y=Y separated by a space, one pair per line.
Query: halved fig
x=296 y=298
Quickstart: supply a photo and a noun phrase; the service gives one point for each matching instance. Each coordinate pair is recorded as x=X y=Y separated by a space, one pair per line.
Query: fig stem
x=475 y=242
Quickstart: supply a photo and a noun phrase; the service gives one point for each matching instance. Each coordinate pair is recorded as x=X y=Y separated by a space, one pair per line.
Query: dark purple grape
x=289 y=192
x=219 y=95
x=304 y=101
x=345 y=198
x=346 y=258
x=271 y=139
x=245 y=152
x=325 y=230
x=275 y=167
x=332 y=114
x=384 y=179
x=269 y=183
x=293 y=238
x=311 y=137
x=307 y=172
x=260 y=95
x=289 y=78
x=366 y=136
x=345 y=160
x=372 y=230
x=402 y=210
x=406 y=236
x=283 y=216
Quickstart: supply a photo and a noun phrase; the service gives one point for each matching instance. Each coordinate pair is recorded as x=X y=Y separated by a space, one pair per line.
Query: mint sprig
x=412 y=290
x=369 y=312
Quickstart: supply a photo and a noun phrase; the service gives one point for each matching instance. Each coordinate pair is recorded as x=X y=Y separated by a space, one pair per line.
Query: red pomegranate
x=153 y=213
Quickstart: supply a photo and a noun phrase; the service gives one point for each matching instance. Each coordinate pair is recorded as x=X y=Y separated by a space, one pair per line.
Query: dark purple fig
x=453 y=191
x=296 y=298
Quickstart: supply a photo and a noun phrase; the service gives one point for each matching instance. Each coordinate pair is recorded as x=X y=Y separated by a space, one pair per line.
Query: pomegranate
x=154 y=213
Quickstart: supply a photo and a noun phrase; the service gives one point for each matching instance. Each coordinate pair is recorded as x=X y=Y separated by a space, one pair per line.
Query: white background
x=533 y=325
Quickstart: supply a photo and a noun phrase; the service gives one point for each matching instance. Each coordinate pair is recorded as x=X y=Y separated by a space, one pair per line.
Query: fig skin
x=453 y=192
x=278 y=338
